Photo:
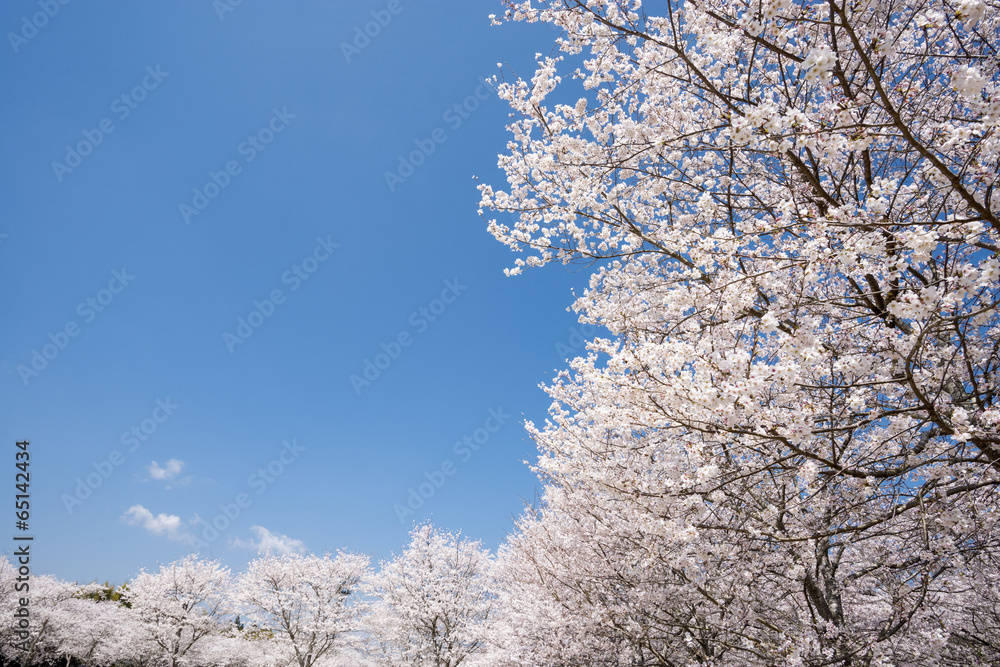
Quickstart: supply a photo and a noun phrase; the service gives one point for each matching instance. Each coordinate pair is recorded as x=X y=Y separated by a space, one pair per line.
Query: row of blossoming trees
x=428 y=606
x=785 y=450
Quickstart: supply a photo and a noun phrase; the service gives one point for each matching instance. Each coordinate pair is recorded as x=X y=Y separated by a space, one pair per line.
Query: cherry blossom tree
x=8 y=607
x=180 y=609
x=60 y=619
x=308 y=605
x=76 y=627
x=553 y=606
x=786 y=449
x=109 y=633
x=66 y=623
x=431 y=603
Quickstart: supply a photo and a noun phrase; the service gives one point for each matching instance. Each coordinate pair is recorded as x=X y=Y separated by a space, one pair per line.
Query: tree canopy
x=785 y=449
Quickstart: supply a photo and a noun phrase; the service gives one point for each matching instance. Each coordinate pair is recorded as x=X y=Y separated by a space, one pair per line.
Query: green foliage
x=109 y=593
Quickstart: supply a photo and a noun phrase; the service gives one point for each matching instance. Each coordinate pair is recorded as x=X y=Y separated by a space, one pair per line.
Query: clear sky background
x=199 y=82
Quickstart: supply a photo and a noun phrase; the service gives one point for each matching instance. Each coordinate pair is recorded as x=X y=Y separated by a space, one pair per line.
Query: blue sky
x=118 y=117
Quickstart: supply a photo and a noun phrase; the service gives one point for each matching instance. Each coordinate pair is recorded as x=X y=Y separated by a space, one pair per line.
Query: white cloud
x=161 y=524
x=271 y=542
x=171 y=469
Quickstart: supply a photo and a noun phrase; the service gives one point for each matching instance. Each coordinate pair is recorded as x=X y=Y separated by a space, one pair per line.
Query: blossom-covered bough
x=786 y=451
